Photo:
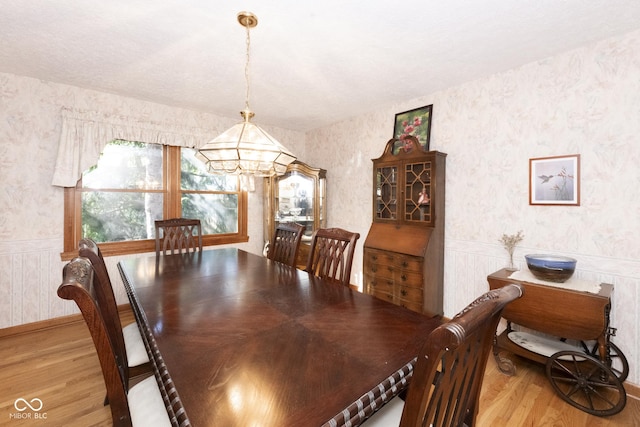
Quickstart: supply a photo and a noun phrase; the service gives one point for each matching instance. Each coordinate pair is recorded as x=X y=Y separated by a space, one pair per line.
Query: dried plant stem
x=509 y=242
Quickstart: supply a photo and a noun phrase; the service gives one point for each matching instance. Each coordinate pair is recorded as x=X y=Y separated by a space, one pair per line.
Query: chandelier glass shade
x=245 y=148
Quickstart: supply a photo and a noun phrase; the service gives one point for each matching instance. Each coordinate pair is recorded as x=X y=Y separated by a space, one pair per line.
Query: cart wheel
x=619 y=364
x=586 y=383
x=505 y=365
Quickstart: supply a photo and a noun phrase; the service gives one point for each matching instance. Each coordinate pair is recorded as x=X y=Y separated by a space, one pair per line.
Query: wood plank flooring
x=59 y=366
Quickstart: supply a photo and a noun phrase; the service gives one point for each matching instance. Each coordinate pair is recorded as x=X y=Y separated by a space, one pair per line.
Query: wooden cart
x=569 y=332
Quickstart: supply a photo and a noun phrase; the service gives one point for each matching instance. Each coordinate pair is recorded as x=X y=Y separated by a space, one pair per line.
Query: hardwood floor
x=59 y=366
x=528 y=399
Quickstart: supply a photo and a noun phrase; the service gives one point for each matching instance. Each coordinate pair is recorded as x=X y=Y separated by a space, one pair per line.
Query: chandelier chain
x=246 y=70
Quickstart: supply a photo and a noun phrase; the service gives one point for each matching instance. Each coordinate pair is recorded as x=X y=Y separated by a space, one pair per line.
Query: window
x=117 y=201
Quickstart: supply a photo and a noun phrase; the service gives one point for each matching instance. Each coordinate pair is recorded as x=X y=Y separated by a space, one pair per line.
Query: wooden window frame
x=172 y=209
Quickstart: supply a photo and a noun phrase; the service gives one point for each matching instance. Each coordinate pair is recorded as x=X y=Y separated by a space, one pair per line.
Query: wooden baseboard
x=44 y=325
x=40 y=326
x=632 y=390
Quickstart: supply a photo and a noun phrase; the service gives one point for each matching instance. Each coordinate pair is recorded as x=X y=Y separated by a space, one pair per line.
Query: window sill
x=146 y=246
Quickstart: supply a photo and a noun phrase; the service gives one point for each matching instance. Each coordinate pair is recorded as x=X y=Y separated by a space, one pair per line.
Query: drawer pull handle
x=390 y=269
x=404 y=293
x=374 y=269
x=374 y=257
x=404 y=277
x=405 y=264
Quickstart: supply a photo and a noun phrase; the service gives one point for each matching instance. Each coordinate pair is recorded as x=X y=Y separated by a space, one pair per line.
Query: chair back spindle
x=178 y=235
x=331 y=254
x=285 y=244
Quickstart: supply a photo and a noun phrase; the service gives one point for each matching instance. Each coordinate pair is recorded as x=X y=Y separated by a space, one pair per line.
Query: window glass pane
x=127 y=165
x=194 y=175
x=217 y=212
x=120 y=216
x=125 y=193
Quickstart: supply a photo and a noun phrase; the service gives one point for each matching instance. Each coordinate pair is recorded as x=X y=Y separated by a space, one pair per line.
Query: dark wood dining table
x=246 y=341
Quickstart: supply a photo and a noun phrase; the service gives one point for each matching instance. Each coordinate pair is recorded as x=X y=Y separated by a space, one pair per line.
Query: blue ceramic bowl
x=551 y=268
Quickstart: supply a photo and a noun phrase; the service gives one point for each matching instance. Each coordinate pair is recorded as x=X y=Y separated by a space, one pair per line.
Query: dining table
x=237 y=339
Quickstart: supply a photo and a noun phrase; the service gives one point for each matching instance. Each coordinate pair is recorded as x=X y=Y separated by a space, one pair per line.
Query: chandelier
x=245 y=149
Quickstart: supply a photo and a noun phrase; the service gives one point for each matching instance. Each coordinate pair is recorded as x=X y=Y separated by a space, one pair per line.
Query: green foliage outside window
x=124 y=194
x=218 y=212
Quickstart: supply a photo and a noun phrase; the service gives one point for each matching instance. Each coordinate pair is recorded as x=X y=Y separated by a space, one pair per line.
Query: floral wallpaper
x=586 y=102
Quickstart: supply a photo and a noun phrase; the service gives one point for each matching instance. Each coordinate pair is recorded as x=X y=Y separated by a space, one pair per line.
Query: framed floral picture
x=555 y=180
x=416 y=122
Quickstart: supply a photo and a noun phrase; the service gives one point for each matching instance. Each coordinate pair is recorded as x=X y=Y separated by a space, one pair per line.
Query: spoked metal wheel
x=619 y=364
x=586 y=383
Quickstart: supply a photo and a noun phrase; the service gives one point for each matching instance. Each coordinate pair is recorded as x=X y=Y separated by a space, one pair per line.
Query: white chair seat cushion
x=136 y=351
x=388 y=416
x=146 y=405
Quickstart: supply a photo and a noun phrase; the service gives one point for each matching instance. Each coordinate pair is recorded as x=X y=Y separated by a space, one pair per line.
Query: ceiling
x=310 y=65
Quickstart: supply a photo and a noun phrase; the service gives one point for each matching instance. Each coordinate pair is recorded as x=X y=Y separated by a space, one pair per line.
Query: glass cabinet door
x=417 y=192
x=295 y=201
x=297 y=196
x=386 y=192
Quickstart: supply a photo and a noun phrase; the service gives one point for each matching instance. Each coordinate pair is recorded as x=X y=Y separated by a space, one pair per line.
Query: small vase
x=511 y=266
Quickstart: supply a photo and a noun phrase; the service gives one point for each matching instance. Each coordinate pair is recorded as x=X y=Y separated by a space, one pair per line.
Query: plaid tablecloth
x=354 y=414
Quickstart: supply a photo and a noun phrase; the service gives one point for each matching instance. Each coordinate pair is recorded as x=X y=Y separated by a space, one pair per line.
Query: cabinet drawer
x=409 y=263
x=377 y=257
x=410 y=294
x=384 y=296
x=374 y=257
x=413 y=306
x=378 y=284
x=380 y=270
x=408 y=278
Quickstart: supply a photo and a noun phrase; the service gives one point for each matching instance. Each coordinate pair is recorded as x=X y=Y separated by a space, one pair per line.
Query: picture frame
x=416 y=122
x=555 y=180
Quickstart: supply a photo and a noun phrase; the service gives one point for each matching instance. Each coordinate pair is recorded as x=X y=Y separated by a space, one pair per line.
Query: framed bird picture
x=555 y=180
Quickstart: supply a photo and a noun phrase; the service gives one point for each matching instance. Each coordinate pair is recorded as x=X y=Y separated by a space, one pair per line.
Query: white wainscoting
x=31 y=274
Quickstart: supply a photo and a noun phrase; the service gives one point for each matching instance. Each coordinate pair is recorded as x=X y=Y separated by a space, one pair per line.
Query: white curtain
x=85 y=134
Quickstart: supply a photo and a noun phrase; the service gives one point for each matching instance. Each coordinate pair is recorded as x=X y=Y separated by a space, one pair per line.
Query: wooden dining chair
x=140 y=405
x=178 y=235
x=130 y=349
x=447 y=378
x=331 y=254
x=286 y=242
